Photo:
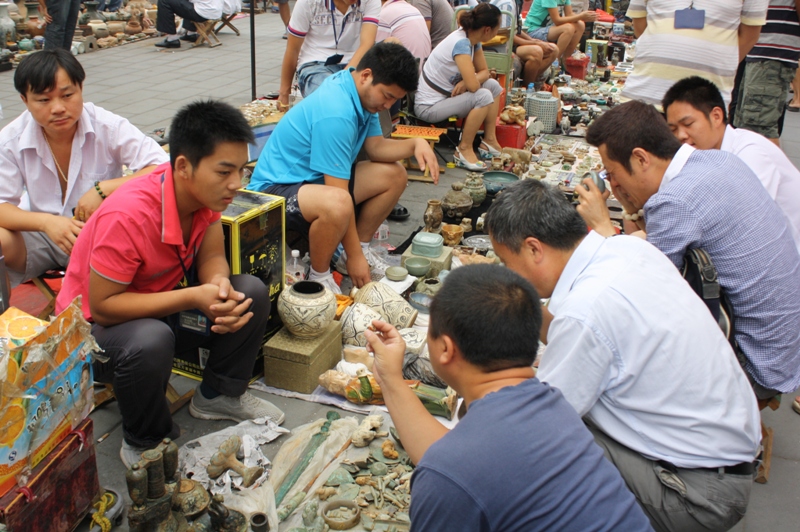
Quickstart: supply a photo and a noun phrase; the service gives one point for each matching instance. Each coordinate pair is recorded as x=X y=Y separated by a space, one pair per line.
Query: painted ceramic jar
x=433 y=216
x=356 y=319
x=386 y=302
x=473 y=185
x=306 y=308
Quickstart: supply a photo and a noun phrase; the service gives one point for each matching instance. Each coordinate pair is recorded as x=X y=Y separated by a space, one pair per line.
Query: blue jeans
x=311 y=75
x=59 y=33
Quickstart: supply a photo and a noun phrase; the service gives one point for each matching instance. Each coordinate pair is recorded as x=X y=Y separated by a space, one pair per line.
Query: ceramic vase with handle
x=386 y=302
x=307 y=308
x=433 y=217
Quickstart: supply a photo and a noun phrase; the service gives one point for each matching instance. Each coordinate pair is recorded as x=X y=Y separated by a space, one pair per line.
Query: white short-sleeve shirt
x=103 y=143
x=209 y=9
x=326 y=31
x=775 y=171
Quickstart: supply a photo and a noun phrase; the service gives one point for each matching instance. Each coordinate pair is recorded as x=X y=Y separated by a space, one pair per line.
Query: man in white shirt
x=696 y=115
x=190 y=11
x=638 y=355
x=325 y=36
x=62 y=155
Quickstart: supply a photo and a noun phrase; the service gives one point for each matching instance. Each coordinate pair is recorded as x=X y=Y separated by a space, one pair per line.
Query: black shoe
x=190 y=37
x=399 y=213
x=169 y=44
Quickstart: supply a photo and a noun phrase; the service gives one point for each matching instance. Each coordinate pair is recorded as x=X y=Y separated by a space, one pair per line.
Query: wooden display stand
x=430 y=134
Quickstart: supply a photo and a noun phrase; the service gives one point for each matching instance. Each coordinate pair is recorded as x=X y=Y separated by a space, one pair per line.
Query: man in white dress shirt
x=59 y=156
x=638 y=355
x=696 y=115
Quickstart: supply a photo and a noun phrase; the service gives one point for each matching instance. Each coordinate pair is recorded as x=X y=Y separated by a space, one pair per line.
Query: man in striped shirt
x=666 y=54
x=770 y=68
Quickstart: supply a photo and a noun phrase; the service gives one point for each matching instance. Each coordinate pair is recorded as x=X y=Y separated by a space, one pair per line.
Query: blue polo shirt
x=321 y=135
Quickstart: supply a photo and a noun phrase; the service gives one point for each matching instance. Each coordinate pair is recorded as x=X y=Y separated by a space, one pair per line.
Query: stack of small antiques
x=22 y=27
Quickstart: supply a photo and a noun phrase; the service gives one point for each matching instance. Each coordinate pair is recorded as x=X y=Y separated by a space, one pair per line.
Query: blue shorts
x=540 y=33
x=311 y=75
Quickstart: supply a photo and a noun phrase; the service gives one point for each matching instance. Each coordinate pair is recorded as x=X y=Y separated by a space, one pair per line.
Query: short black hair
x=37 y=72
x=492 y=314
x=199 y=127
x=632 y=125
x=698 y=92
x=530 y=208
x=391 y=64
x=481 y=16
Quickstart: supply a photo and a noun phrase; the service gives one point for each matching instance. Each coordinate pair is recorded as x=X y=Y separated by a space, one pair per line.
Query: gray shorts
x=42 y=255
x=460 y=105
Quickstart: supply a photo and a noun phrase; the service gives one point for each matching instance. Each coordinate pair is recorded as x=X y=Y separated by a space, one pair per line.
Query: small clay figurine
x=225 y=459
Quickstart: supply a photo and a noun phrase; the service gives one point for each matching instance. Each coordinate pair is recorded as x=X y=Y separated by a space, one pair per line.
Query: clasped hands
x=224 y=306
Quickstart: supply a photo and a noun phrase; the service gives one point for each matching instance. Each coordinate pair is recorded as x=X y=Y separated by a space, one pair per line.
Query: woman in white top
x=455 y=82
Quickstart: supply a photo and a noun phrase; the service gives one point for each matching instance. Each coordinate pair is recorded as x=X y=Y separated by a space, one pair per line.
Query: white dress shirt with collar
x=636 y=351
x=208 y=9
x=103 y=143
x=780 y=177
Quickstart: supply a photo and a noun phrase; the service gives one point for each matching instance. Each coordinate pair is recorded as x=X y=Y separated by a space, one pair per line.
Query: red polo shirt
x=134 y=239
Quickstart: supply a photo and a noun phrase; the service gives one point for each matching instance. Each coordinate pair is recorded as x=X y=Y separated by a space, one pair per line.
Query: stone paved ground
x=147 y=86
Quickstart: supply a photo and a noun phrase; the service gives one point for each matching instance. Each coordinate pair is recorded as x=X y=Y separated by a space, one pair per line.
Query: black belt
x=744 y=468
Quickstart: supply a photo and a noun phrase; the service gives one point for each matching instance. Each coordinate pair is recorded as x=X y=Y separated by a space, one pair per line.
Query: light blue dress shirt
x=636 y=351
x=710 y=199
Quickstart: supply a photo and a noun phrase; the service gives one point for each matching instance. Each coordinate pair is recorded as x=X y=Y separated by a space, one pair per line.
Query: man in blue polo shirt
x=310 y=160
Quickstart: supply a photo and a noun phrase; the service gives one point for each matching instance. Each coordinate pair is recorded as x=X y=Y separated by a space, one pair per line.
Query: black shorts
x=295 y=221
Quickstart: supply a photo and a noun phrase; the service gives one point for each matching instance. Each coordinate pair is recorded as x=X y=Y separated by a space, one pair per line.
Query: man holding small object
x=61 y=157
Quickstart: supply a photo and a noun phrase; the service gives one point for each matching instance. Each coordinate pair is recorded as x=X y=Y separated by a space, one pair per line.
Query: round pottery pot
x=386 y=302
x=307 y=308
x=433 y=216
x=356 y=319
x=115 y=27
x=429 y=286
x=396 y=273
x=452 y=234
x=133 y=27
x=35 y=26
x=99 y=30
x=26 y=45
x=456 y=203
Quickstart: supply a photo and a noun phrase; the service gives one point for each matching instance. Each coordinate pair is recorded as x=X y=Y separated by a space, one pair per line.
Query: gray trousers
x=460 y=105
x=680 y=500
x=140 y=354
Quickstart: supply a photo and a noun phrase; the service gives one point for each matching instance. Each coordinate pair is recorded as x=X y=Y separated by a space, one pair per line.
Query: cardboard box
x=442 y=262
x=45 y=386
x=253 y=226
x=295 y=364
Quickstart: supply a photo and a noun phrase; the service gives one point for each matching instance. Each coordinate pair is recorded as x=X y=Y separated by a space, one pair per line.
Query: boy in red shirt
x=129 y=259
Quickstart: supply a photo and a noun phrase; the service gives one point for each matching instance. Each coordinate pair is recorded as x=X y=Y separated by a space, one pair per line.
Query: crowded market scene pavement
x=148 y=86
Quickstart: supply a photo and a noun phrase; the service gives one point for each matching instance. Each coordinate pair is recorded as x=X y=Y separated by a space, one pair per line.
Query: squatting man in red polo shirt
x=127 y=264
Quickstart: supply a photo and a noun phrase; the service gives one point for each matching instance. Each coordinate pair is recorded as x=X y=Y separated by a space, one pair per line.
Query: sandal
x=793 y=108
x=463 y=163
x=399 y=213
x=487 y=152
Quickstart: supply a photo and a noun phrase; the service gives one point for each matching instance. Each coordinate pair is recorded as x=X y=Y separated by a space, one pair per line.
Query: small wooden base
x=767 y=435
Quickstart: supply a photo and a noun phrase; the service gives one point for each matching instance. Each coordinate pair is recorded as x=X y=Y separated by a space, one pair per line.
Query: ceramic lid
x=428 y=239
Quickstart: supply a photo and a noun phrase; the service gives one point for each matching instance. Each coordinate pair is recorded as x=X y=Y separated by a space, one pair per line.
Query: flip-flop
x=793 y=108
x=399 y=213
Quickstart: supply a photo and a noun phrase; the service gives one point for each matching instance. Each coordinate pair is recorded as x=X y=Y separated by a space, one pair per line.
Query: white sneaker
x=328 y=282
x=130 y=454
x=377 y=265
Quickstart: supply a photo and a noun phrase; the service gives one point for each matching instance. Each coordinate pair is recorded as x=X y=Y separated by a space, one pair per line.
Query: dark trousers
x=139 y=365
x=167 y=9
x=58 y=34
